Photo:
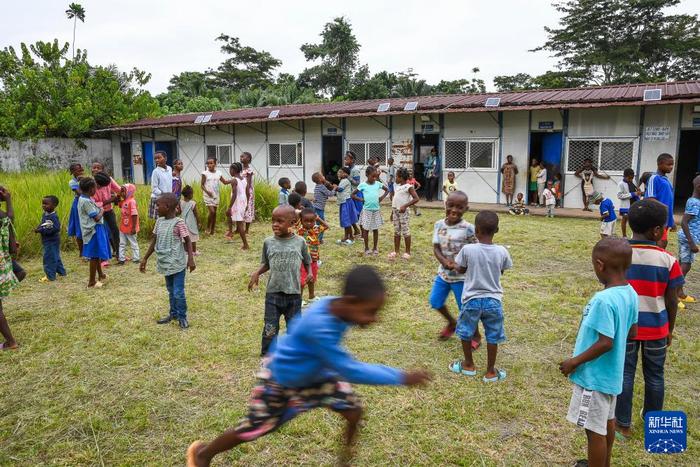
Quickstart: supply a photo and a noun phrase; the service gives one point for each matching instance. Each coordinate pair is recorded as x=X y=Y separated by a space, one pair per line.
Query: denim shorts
x=441 y=290
x=685 y=256
x=487 y=310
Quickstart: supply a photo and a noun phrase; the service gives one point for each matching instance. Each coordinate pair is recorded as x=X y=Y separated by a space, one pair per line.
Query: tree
x=246 y=67
x=625 y=41
x=75 y=12
x=192 y=84
x=337 y=52
x=548 y=80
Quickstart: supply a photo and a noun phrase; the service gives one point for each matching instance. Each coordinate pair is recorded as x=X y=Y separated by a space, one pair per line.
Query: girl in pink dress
x=249 y=216
x=239 y=201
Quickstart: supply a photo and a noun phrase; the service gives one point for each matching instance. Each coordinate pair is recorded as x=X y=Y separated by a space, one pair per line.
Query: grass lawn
x=97 y=382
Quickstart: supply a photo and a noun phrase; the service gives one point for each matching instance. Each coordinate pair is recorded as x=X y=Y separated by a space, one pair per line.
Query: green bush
x=28 y=188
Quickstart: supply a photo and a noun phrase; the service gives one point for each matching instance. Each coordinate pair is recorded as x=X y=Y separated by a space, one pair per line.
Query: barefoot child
x=311 y=229
x=8 y=280
x=50 y=230
x=484 y=263
x=689 y=236
x=211 y=179
x=95 y=236
x=282 y=255
x=371 y=216
x=596 y=368
x=449 y=236
x=173 y=248
x=239 y=201
x=189 y=214
x=129 y=226
x=76 y=170
x=404 y=197
x=346 y=207
x=607 y=214
x=309 y=368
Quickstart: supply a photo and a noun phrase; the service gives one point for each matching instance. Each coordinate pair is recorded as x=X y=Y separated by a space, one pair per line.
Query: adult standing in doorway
x=432 y=175
x=532 y=184
x=509 y=171
x=249 y=215
x=587 y=173
x=107 y=193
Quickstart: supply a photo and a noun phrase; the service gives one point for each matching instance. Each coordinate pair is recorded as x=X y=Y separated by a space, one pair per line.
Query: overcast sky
x=439 y=39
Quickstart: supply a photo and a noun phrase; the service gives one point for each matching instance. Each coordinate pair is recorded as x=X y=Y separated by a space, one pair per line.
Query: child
x=607 y=214
x=660 y=188
x=391 y=176
x=416 y=186
x=95 y=236
x=354 y=177
x=627 y=194
x=518 y=208
x=346 y=207
x=689 y=237
x=657 y=279
x=239 y=201
x=188 y=213
x=173 y=247
x=161 y=181
x=405 y=196
x=371 y=216
x=285 y=186
x=484 y=263
x=76 y=170
x=50 y=230
x=550 y=199
x=210 y=191
x=309 y=368
x=8 y=280
x=129 y=226
x=449 y=236
x=108 y=192
x=557 y=189
x=248 y=173
x=599 y=354
x=533 y=170
x=300 y=189
x=295 y=202
x=310 y=230
x=282 y=255
x=541 y=182
x=178 y=167
x=322 y=191
x=449 y=186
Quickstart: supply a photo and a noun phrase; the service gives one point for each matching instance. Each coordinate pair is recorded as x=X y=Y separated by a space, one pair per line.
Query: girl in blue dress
x=96 y=246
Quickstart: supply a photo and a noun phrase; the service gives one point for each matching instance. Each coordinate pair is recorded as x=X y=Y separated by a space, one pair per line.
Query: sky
x=438 y=39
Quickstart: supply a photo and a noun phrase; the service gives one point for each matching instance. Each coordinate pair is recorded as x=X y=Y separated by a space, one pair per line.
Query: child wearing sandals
x=95 y=236
x=346 y=207
x=308 y=368
x=371 y=216
x=404 y=197
x=484 y=263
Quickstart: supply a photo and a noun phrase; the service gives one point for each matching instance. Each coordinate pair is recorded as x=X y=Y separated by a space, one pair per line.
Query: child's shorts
x=607 y=228
x=487 y=310
x=272 y=405
x=401 y=222
x=624 y=212
x=685 y=256
x=441 y=290
x=591 y=410
x=314 y=272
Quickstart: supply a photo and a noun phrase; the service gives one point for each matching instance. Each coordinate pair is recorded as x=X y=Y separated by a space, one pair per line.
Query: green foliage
x=177 y=102
x=245 y=67
x=75 y=12
x=548 y=80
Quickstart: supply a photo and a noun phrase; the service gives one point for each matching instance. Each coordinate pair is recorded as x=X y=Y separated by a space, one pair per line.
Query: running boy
x=484 y=263
x=657 y=279
x=689 y=236
x=309 y=368
x=659 y=188
x=50 y=230
x=599 y=354
x=282 y=255
x=607 y=214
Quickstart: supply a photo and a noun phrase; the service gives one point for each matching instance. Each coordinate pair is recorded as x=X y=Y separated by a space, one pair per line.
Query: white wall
x=659 y=116
x=191 y=151
x=515 y=143
x=56 y=154
x=546 y=115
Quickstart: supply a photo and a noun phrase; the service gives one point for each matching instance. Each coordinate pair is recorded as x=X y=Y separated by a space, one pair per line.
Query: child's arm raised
x=602 y=345
x=149 y=252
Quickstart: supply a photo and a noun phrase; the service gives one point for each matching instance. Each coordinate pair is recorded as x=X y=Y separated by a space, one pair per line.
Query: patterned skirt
x=371 y=220
x=249 y=215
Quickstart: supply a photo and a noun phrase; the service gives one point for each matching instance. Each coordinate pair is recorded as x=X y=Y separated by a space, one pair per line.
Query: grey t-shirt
x=87 y=210
x=284 y=257
x=485 y=264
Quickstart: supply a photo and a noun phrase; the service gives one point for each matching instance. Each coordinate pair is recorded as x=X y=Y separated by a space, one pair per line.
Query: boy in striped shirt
x=656 y=277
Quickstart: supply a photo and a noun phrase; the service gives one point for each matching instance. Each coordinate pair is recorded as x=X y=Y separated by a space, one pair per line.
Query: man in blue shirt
x=308 y=368
x=659 y=187
x=50 y=230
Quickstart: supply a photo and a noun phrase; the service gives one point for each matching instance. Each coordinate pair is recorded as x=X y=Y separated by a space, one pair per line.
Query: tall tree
x=338 y=55
x=245 y=67
x=548 y=80
x=75 y=12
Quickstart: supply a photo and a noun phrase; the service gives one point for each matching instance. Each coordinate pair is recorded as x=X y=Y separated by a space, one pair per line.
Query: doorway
x=424 y=143
x=332 y=157
x=687 y=166
x=126 y=162
x=545 y=147
x=149 y=150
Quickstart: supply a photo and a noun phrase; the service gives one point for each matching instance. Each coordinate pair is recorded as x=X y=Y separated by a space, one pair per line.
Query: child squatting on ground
x=596 y=367
x=404 y=197
x=173 y=248
x=282 y=255
x=309 y=368
x=519 y=207
x=50 y=230
x=484 y=263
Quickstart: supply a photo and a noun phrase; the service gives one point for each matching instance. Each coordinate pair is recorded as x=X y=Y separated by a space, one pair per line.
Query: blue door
x=551 y=153
x=169 y=148
x=148 y=164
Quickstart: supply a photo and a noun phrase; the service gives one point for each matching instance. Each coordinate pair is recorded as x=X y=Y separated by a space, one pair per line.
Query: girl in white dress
x=210 y=191
x=239 y=201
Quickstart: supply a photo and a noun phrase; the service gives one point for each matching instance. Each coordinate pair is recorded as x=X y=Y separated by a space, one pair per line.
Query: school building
x=616 y=126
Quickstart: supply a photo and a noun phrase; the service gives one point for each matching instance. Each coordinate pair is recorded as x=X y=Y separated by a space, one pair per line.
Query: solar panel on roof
x=383 y=107
x=206 y=119
x=413 y=105
x=652 y=94
x=274 y=114
x=199 y=119
x=493 y=102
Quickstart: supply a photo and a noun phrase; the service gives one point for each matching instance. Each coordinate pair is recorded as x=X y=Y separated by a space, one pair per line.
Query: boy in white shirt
x=541 y=183
x=627 y=193
x=550 y=199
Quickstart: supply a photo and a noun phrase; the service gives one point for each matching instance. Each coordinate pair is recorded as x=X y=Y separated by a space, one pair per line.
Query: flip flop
x=476 y=344
x=620 y=437
x=4 y=346
x=456 y=367
x=192 y=452
x=500 y=375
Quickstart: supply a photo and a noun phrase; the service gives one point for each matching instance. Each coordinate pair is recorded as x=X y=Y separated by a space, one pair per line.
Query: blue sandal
x=500 y=375
x=456 y=367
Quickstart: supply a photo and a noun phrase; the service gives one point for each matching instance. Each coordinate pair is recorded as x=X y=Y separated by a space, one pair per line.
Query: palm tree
x=75 y=12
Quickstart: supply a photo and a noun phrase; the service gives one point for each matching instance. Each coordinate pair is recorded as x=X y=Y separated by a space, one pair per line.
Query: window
x=463 y=154
x=365 y=150
x=222 y=153
x=285 y=154
x=608 y=155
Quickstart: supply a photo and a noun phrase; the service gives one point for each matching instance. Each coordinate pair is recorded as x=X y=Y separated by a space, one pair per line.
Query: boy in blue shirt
x=607 y=215
x=50 y=230
x=308 y=368
x=599 y=354
x=659 y=187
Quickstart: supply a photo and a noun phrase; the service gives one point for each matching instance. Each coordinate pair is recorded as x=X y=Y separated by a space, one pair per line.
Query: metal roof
x=598 y=96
